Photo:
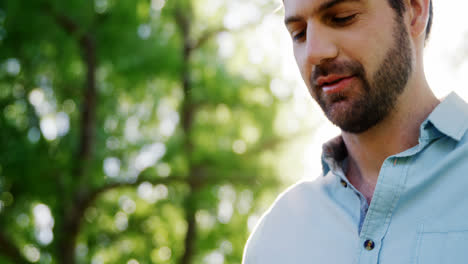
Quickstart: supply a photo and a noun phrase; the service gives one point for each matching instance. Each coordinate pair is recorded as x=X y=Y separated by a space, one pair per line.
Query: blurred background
x=154 y=131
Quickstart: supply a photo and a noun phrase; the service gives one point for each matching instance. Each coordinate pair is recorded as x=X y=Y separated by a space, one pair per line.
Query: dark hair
x=400 y=8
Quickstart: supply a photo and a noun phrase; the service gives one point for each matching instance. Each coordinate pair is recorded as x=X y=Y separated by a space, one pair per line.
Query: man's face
x=354 y=56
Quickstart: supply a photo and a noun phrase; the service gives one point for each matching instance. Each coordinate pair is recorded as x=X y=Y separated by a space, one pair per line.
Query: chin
x=351 y=117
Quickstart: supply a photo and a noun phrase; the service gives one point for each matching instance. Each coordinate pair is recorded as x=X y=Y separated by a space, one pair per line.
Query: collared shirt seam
x=398 y=191
x=377 y=196
x=395 y=193
x=370 y=214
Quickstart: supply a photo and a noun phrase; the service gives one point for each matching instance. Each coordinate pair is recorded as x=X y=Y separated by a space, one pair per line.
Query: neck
x=399 y=131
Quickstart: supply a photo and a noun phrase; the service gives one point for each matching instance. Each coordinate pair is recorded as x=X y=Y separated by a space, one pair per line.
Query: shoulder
x=294 y=199
x=291 y=207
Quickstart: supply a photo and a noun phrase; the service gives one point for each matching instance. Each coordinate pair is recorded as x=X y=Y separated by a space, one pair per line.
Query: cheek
x=301 y=62
x=373 y=50
x=366 y=52
x=305 y=69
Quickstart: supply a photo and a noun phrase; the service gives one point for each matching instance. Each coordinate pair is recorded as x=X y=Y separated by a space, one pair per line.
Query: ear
x=418 y=16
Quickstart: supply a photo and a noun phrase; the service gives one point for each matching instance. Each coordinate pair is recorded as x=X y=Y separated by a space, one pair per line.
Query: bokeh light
x=149 y=155
x=112 y=167
x=31 y=253
x=44 y=223
x=214 y=257
x=12 y=66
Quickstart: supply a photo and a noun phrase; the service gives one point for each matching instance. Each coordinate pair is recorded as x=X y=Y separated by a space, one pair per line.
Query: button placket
x=386 y=195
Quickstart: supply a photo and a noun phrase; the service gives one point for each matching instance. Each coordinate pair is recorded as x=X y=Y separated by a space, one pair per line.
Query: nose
x=319 y=45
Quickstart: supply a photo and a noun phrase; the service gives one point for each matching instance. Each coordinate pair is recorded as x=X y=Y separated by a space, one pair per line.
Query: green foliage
x=175 y=136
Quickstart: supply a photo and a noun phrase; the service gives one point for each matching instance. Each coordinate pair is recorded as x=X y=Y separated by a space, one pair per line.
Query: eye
x=342 y=21
x=299 y=35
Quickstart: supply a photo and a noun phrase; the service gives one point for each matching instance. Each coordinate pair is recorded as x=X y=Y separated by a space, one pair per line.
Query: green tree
x=125 y=137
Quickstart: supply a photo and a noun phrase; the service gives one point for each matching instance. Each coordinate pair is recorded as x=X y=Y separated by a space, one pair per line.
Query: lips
x=330 y=79
x=333 y=83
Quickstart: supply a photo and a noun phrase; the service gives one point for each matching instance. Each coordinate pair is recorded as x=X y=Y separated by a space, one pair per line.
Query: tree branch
x=207 y=35
x=187 y=116
x=72 y=216
x=196 y=178
x=198 y=182
x=111 y=186
x=87 y=46
x=10 y=251
x=66 y=23
x=88 y=118
x=210 y=33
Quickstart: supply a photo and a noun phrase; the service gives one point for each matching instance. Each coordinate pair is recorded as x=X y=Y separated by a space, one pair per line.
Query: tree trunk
x=187 y=115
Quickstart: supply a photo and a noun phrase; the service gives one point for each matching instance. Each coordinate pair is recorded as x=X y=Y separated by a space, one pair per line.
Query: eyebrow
x=324 y=6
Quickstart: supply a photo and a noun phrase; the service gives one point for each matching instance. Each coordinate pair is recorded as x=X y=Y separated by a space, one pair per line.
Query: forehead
x=293 y=7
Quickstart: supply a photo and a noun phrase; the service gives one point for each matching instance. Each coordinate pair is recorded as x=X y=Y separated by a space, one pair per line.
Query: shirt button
x=369 y=245
x=345 y=184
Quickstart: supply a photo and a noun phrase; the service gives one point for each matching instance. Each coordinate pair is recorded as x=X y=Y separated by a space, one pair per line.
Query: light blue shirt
x=418 y=213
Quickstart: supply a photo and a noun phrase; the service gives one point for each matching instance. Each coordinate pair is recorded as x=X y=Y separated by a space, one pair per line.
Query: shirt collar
x=333 y=152
x=449 y=118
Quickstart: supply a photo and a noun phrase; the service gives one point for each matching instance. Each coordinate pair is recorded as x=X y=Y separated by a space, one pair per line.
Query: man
x=394 y=183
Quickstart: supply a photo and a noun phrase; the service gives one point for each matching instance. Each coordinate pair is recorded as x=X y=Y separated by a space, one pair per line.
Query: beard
x=377 y=98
